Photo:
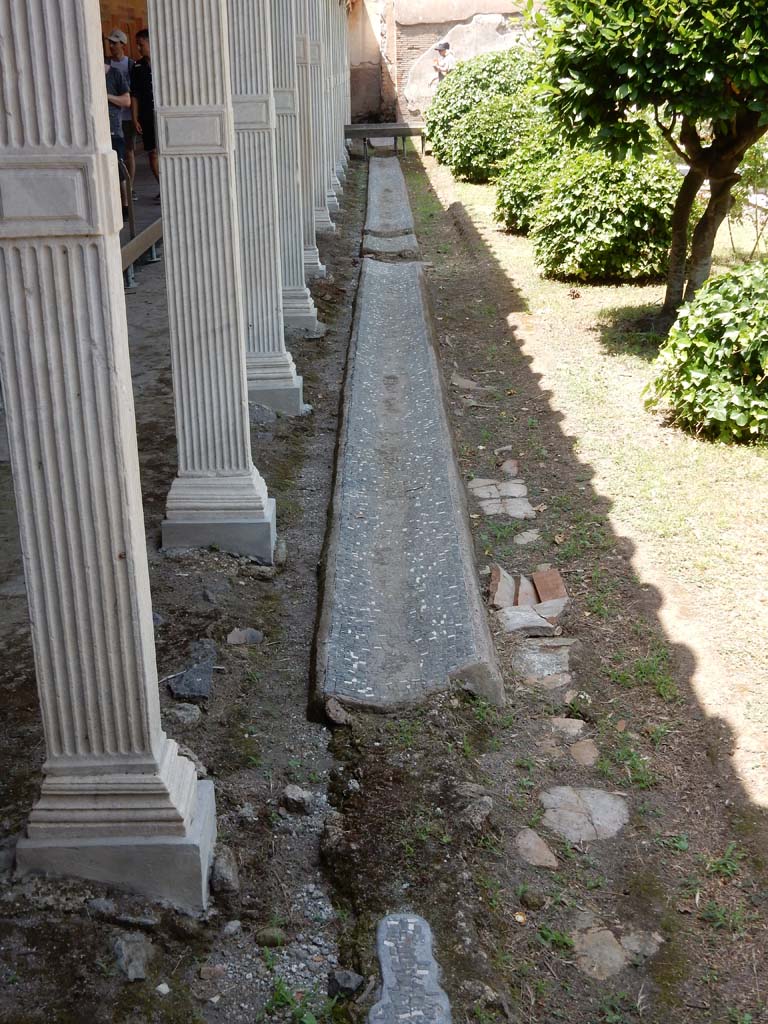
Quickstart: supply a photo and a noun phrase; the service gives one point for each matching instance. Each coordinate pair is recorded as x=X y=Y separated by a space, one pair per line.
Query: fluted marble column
x=271 y=373
x=333 y=188
x=345 y=113
x=319 y=121
x=338 y=27
x=299 y=310
x=218 y=497
x=312 y=265
x=118 y=804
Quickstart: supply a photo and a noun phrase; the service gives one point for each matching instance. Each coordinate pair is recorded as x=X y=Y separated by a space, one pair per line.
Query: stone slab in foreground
x=389 y=211
x=410 y=989
x=402 y=613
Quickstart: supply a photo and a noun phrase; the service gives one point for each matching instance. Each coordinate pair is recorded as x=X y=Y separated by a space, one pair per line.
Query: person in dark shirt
x=143 y=100
x=118 y=99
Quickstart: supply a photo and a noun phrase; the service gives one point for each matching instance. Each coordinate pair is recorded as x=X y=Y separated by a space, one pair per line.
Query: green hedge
x=483 y=138
x=712 y=372
x=525 y=174
x=470 y=83
x=600 y=220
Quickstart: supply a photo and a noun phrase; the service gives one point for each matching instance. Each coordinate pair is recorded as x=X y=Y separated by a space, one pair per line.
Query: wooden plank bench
x=393 y=130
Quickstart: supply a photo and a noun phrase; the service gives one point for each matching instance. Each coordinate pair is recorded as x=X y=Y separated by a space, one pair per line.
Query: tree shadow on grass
x=632 y=330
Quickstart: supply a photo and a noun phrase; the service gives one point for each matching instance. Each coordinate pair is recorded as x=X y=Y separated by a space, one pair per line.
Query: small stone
x=524 y=622
x=186 y=714
x=157 y=620
x=163 y=989
x=232 y=928
x=585 y=753
x=261 y=414
x=533 y=899
x=534 y=850
x=525 y=593
x=132 y=952
x=245 y=637
x=598 y=953
x=584 y=815
x=344 y=983
x=194 y=685
x=209 y=972
x=281 y=552
x=502 y=588
x=642 y=945
x=543 y=658
x=510 y=467
x=224 y=874
x=271 y=937
x=527 y=537
x=570 y=727
x=296 y=800
x=552 y=610
x=215 y=1000
x=466 y=383
x=246 y=812
x=200 y=769
x=549 y=584
x=102 y=907
x=475 y=815
x=336 y=712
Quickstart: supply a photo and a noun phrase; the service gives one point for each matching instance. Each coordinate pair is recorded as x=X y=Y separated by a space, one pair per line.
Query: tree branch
x=668 y=134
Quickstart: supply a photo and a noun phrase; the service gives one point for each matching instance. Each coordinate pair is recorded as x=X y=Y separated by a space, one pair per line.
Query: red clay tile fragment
x=549 y=585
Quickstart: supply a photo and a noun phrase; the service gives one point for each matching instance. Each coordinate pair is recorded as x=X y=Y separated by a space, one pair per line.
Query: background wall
x=128 y=15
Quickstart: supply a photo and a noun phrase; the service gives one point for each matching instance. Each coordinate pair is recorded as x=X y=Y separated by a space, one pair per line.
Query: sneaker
x=135 y=195
x=125 y=213
x=157 y=198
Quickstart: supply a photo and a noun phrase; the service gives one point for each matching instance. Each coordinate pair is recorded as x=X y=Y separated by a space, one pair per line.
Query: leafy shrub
x=601 y=220
x=470 y=83
x=482 y=138
x=712 y=372
x=524 y=175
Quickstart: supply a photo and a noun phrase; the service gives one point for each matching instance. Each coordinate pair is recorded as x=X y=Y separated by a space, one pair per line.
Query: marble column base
x=341 y=173
x=285 y=398
x=333 y=202
x=313 y=268
x=323 y=223
x=253 y=536
x=336 y=185
x=170 y=868
x=300 y=314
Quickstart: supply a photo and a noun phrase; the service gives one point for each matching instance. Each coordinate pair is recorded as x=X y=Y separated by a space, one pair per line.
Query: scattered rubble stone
x=502 y=588
x=163 y=989
x=195 y=683
x=209 y=972
x=525 y=622
x=186 y=714
x=570 y=727
x=543 y=658
x=102 y=907
x=585 y=814
x=475 y=815
x=642 y=945
x=185 y=751
x=336 y=712
x=132 y=953
x=246 y=812
x=534 y=850
x=549 y=585
x=552 y=610
x=532 y=898
x=157 y=620
x=527 y=537
x=232 y=928
x=585 y=753
x=344 y=983
x=296 y=800
x=510 y=467
x=224 y=874
x=245 y=637
x=466 y=383
x=271 y=937
x=598 y=953
x=281 y=552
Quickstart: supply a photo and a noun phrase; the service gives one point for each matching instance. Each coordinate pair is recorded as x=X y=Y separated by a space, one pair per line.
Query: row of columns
x=250 y=108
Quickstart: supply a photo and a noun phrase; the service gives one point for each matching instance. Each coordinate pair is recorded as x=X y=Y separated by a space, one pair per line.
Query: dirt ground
x=395 y=823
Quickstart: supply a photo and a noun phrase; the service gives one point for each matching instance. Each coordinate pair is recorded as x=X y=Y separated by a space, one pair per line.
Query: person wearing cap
x=445 y=61
x=118 y=100
x=143 y=101
x=117 y=41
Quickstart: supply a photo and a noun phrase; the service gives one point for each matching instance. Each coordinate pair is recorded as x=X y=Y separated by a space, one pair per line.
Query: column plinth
x=270 y=370
x=218 y=497
x=118 y=804
x=299 y=312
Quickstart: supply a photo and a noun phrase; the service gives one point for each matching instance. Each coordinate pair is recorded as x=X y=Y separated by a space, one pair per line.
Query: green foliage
x=525 y=174
x=483 y=137
x=712 y=373
x=602 y=220
x=471 y=82
x=705 y=62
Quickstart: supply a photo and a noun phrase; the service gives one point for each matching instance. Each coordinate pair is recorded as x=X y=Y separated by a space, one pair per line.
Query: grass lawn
x=696 y=512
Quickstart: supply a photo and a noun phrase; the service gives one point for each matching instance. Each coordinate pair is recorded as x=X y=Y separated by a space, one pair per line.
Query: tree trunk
x=678 y=253
x=705 y=232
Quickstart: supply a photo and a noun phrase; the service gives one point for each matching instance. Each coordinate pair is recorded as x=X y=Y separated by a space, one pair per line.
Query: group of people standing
x=131 y=105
